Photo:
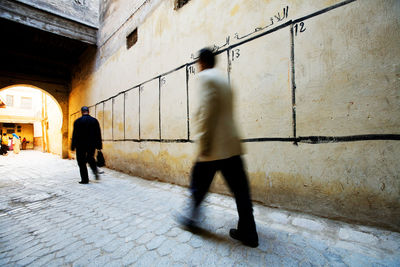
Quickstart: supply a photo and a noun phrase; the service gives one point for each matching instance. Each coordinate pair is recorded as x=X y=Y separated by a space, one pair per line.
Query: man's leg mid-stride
x=92 y=163
x=233 y=172
x=81 y=157
x=201 y=178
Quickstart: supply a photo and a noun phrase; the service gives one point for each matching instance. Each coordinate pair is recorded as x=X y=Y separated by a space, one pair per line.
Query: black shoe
x=83 y=182
x=186 y=222
x=97 y=176
x=250 y=242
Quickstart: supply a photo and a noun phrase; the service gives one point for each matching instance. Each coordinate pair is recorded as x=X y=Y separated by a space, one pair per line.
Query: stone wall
x=316 y=86
x=83 y=11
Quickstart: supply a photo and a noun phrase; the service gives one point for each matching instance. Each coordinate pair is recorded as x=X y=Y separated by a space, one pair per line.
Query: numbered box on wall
x=108 y=120
x=132 y=114
x=173 y=105
x=92 y=111
x=346 y=82
x=100 y=117
x=118 y=117
x=261 y=81
x=149 y=110
x=221 y=65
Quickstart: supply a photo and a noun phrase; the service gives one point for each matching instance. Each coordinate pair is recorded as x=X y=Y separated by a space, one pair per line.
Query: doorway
x=32 y=114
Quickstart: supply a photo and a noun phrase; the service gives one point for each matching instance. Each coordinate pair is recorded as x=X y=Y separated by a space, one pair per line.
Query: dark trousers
x=84 y=156
x=4 y=149
x=234 y=174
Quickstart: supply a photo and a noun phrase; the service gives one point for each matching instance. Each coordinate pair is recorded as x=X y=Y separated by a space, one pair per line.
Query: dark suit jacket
x=86 y=134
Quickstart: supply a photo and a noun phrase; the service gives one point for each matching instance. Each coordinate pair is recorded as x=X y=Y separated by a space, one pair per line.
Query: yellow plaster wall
x=343 y=61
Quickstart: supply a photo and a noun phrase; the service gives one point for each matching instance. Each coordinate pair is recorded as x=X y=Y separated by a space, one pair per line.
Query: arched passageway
x=37 y=116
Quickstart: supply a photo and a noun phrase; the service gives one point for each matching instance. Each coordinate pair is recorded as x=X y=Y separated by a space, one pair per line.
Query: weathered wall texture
x=317 y=97
x=84 y=11
x=54 y=125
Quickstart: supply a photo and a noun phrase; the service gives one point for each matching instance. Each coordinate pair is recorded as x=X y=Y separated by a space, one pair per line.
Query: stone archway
x=59 y=92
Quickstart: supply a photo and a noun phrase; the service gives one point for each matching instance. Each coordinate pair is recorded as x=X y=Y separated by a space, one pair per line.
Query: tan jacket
x=215 y=131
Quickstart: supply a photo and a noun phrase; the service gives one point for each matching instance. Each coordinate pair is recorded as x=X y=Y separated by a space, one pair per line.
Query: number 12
x=296 y=28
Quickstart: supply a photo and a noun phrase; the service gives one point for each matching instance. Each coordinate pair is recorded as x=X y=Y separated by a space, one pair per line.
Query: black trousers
x=84 y=156
x=232 y=169
x=4 y=149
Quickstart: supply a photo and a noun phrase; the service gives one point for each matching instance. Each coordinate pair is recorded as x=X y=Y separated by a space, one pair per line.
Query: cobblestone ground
x=48 y=219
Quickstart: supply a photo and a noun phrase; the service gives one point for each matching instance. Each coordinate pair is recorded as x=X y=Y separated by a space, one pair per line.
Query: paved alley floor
x=48 y=219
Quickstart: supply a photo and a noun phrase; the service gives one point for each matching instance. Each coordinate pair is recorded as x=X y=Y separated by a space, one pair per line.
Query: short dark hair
x=206 y=57
x=84 y=109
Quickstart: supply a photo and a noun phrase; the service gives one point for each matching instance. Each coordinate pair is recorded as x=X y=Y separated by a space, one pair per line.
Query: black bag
x=100 y=159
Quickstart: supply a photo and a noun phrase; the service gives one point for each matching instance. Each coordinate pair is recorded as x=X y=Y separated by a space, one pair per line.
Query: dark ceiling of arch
x=33 y=53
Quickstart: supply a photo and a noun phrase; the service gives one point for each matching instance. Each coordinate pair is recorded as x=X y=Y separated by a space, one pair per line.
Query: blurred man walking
x=219 y=149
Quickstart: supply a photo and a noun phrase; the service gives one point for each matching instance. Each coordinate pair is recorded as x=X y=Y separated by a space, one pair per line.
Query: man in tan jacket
x=219 y=149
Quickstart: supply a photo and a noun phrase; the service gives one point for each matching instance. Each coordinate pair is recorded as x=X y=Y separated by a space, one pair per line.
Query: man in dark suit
x=86 y=138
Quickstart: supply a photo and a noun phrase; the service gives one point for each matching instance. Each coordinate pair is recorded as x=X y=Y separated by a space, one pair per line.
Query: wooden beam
x=43 y=20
